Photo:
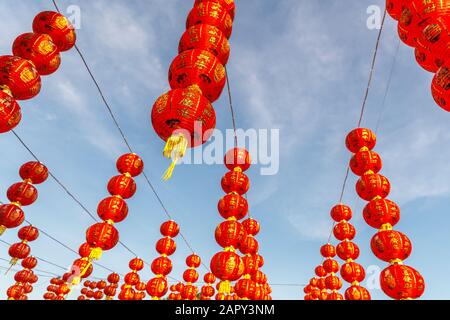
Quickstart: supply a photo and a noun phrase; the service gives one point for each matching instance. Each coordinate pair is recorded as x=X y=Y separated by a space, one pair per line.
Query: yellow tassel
x=174 y=149
x=225 y=287
x=76 y=281
x=2 y=230
x=96 y=254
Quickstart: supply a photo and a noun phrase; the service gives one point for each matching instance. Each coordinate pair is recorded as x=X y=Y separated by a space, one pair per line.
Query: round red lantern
x=122 y=185
x=161 y=266
x=347 y=250
x=207 y=292
x=200 y=68
x=245 y=288
x=210 y=13
x=352 y=272
x=370 y=186
x=102 y=235
x=132 y=278
x=251 y=226
x=365 y=160
x=110 y=291
x=359 y=138
x=233 y=205
x=170 y=229
x=15 y=291
x=235 y=181
x=90 y=294
x=193 y=261
x=166 y=246
x=335 y=296
x=20 y=76
x=250 y=264
x=333 y=282
x=344 y=231
x=209 y=278
x=11 y=215
x=127 y=294
x=29 y=262
x=320 y=271
x=206 y=37
x=57 y=27
x=131 y=164
x=19 y=251
x=28 y=233
x=23 y=193
x=357 y=293
x=391 y=246
x=113 y=278
x=157 y=287
x=228 y=5
x=230 y=233
x=249 y=245
x=426 y=58
x=190 y=275
x=401 y=282
x=101 y=284
x=34 y=171
x=237 y=159
x=330 y=266
x=189 y=292
x=328 y=251
x=23 y=276
x=81 y=268
x=113 y=208
x=184 y=113
x=10 y=113
x=39 y=49
x=141 y=286
x=85 y=250
x=381 y=212
x=98 y=295
x=63 y=289
x=227 y=266
x=341 y=212
x=136 y=264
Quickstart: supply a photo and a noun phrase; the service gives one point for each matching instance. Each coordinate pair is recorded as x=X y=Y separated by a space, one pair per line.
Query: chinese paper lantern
x=235 y=181
x=344 y=231
x=190 y=275
x=10 y=112
x=401 y=282
x=352 y=271
x=426 y=59
x=213 y=14
x=103 y=236
x=237 y=159
x=33 y=171
x=365 y=160
x=208 y=291
x=347 y=250
x=227 y=266
x=391 y=246
x=113 y=208
x=170 y=229
x=157 y=287
x=381 y=213
x=39 y=49
x=18 y=251
x=57 y=27
x=28 y=233
x=371 y=186
x=230 y=234
x=233 y=206
x=357 y=293
x=122 y=185
x=11 y=216
x=20 y=76
x=29 y=262
x=23 y=193
x=166 y=246
x=136 y=264
x=228 y=5
x=328 y=251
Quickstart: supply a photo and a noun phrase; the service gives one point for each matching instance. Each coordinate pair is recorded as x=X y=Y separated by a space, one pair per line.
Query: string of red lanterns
x=22 y=194
x=113 y=283
x=207 y=291
x=424 y=26
x=34 y=54
x=190 y=276
x=398 y=281
x=157 y=287
x=24 y=278
x=184 y=117
x=175 y=293
x=131 y=281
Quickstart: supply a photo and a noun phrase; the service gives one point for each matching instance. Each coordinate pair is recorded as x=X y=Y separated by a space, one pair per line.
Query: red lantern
x=113 y=208
x=230 y=233
x=402 y=282
x=189 y=292
x=132 y=278
x=359 y=138
x=90 y=294
x=28 y=233
x=34 y=171
x=365 y=160
x=57 y=27
x=249 y=245
x=20 y=76
x=206 y=37
x=330 y=266
x=170 y=229
x=161 y=266
x=341 y=212
x=29 y=262
x=207 y=292
x=85 y=250
x=335 y=296
x=212 y=14
x=39 y=49
x=110 y=291
x=344 y=231
x=15 y=291
x=228 y=5
x=333 y=282
x=328 y=251
x=10 y=114
x=123 y=186
x=113 y=278
x=227 y=266
x=190 y=275
x=63 y=289
x=193 y=261
x=357 y=293
x=23 y=276
x=93 y=285
x=11 y=215
x=81 y=268
x=237 y=159
x=131 y=164
x=251 y=226
x=245 y=288
x=101 y=285
x=235 y=181
x=320 y=271
x=127 y=294
x=391 y=246
x=209 y=278
x=370 y=186
x=249 y=264
x=23 y=193
x=98 y=295
x=200 y=68
x=352 y=272
x=102 y=235
x=347 y=250
x=19 y=250
x=426 y=58
x=157 y=287
x=176 y=113
x=233 y=205
x=141 y=286
x=136 y=264
x=166 y=246
x=381 y=212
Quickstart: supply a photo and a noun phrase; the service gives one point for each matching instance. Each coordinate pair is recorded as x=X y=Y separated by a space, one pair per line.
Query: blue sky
x=298 y=66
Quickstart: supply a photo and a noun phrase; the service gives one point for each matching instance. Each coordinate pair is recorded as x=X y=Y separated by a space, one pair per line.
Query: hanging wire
x=230 y=102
